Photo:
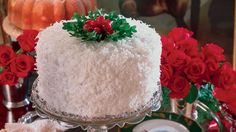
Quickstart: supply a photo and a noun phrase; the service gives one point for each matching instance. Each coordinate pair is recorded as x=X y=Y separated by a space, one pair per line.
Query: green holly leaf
x=192 y=95
x=120 y=26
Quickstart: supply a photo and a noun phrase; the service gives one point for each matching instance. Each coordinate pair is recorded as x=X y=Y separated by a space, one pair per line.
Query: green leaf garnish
x=119 y=25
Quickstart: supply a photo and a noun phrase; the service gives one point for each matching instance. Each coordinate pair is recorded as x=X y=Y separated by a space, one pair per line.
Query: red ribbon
x=213 y=127
x=228 y=125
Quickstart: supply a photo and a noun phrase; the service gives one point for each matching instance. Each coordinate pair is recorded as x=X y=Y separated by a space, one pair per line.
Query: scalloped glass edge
x=71 y=120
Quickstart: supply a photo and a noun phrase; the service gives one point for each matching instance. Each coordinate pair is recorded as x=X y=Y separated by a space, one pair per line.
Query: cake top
x=98 y=26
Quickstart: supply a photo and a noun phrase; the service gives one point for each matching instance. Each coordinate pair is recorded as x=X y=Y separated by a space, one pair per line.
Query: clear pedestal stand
x=96 y=124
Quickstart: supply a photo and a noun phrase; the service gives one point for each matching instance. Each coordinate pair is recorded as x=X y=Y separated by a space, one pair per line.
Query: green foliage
x=203 y=116
x=192 y=95
x=121 y=28
x=1 y=69
x=204 y=94
x=165 y=104
x=206 y=97
x=75 y=27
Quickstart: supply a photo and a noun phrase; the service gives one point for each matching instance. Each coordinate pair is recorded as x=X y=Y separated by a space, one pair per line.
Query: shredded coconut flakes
x=97 y=79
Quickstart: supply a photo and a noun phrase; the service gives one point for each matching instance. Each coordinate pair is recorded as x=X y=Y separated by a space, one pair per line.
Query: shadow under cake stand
x=98 y=124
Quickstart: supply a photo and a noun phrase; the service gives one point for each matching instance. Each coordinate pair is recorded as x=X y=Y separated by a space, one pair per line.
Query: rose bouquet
x=185 y=67
x=190 y=72
x=15 y=65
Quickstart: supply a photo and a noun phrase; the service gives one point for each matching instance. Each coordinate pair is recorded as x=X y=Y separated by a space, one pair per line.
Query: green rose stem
x=173 y=103
x=1 y=69
x=20 y=51
x=189 y=108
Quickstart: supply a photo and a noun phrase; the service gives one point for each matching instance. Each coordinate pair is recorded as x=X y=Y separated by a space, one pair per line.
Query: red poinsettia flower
x=22 y=65
x=27 y=40
x=100 y=25
x=6 y=55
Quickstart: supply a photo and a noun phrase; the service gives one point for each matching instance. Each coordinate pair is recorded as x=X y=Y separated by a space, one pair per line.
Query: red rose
x=28 y=40
x=179 y=87
x=195 y=70
x=189 y=47
x=213 y=51
x=167 y=44
x=178 y=59
x=22 y=65
x=227 y=96
x=225 y=76
x=211 y=67
x=100 y=25
x=1 y=79
x=9 y=78
x=6 y=55
x=177 y=34
x=232 y=107
x=164 y=57
x=166 y=74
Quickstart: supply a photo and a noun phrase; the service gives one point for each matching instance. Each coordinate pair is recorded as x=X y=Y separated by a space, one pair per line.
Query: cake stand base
x=98 y=124
x=100 y=129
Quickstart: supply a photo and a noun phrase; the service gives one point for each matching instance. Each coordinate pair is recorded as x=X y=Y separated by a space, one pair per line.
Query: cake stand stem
x=98 y=129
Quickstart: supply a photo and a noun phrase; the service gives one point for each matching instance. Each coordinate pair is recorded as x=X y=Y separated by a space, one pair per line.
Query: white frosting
x=96 y=79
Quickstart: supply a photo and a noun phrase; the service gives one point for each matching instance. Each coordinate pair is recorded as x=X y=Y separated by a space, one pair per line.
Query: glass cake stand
x=96 y=124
